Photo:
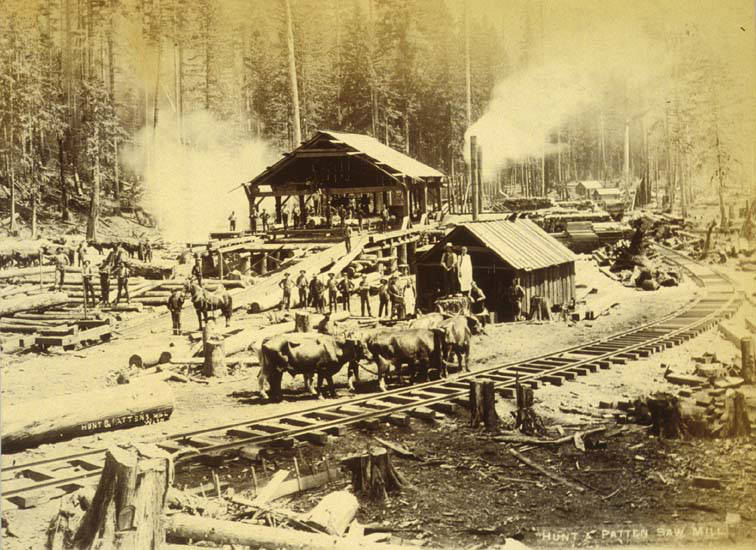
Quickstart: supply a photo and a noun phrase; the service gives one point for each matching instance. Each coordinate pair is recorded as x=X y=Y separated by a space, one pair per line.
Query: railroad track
x=26 y=484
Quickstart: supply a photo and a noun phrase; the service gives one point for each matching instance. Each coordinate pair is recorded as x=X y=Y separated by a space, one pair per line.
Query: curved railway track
x=50 y=478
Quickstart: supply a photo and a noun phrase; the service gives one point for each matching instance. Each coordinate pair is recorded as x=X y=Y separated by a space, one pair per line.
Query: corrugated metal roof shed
x=609 y=192
x=520 y=243
x=386 y=155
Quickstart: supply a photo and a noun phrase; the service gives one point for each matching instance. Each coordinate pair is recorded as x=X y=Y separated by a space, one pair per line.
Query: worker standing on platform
x=348 y=238
x=232 y=221
x=364 y=292
x=86 y=280
x=253 y=220
x=302 y=285
x=449 y=270
x=285 y=219
x=385 y=219
x=295 y=218
x=175 y=305
x=286 y=285
x=265 y=216
x=464 y=272
x=122 y=276
x=359 y=215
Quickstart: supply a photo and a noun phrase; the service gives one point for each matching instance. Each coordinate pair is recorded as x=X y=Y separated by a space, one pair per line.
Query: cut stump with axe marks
x=374 y=475
x=483 y=405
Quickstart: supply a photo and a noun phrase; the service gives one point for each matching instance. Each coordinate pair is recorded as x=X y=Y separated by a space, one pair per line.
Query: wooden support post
x=126 y=511
x=220 y=265
x=747 y=371
x=264 y=264
x=483 y=405
x=411 y=257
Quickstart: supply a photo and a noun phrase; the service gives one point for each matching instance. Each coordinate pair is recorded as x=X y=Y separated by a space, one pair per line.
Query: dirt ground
x=459 y=497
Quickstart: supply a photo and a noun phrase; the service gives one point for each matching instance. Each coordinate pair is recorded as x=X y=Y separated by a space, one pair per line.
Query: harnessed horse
x=204 y=301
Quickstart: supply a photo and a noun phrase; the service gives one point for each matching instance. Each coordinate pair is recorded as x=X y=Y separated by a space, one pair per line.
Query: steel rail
x=555 y=367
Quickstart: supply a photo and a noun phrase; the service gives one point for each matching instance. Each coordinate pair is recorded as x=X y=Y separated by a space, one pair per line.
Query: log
x=214 y=350
x=26 y=271
x=69 y=416
x=334 y=512
x=483 y=405
x=373 y=474
x=734 y=421
x=126 y=511
x=149 y=271
x=219 y=531
x=22 y=303
x=747 y=369
x=302 y=322
x=150 y=358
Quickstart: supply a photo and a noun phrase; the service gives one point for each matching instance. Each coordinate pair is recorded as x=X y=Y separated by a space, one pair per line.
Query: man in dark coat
x=86 y=280
x=105 y=269
x=364 y=291
x=122 y=276
x=175 y=305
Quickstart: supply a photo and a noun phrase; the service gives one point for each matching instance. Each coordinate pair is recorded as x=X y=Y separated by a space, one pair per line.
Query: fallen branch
x=544 y=471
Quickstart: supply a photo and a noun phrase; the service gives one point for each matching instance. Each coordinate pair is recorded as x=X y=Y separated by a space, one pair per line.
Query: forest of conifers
x=554 y=91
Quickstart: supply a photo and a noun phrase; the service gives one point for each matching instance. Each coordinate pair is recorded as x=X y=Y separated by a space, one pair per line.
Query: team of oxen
x=426 y=346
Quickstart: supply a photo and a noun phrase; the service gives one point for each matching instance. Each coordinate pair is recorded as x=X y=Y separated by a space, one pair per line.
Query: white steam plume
x=528 y=107
x=189 y=186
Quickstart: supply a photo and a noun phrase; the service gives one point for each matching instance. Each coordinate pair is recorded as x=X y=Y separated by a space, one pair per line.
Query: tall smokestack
x=474 y=176
x=479 y=166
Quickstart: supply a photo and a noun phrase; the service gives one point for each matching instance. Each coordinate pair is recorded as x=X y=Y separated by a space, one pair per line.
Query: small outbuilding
x=586 y=188
x=501 y=250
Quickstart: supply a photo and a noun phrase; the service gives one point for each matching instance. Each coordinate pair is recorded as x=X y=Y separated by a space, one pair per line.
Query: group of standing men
x=338 y=290
x=457 y=276
x=113 y=264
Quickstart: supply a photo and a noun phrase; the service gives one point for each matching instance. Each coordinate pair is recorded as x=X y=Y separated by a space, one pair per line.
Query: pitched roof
x=609 y=191
x=385 y=154
x=520 y=243
x=591 y=184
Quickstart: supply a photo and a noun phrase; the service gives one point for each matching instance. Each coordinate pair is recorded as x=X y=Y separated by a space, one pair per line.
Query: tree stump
x=526 y=419
x=483 y=405
x=374 y=475
x=666 y=415
x=747 y=370
x=302 y=322
x=126 y=510
x=214 y=350
x=735 y=422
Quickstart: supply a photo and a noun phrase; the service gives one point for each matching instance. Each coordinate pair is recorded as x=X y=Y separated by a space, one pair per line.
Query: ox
x=420 y=349
x=457 y=332
x=307 y=354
